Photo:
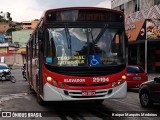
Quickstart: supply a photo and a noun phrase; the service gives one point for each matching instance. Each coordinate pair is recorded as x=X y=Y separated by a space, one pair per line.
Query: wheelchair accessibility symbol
x=94 y=60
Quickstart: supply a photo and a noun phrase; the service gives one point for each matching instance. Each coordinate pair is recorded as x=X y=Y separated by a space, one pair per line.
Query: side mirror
x=157 y=79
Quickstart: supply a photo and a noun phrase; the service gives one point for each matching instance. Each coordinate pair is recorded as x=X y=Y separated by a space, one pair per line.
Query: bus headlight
x=49 y=79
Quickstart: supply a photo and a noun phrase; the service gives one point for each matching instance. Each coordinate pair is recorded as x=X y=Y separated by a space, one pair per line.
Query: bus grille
x=78 y=94
x=83 y=85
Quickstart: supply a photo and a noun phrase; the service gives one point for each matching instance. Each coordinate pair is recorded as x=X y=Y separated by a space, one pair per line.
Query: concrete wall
x=21 y=36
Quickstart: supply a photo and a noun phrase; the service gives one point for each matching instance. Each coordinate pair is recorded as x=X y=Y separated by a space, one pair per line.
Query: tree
x=9 y=16
x=10 y=30
x=2 y=19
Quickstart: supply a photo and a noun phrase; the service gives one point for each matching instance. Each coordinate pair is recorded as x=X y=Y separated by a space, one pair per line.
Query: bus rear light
x=113 y=84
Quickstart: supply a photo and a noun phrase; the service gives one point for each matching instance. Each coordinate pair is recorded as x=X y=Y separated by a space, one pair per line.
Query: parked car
x=4 y=67
x=4 y=71
x=135 y=76
x=149 y=92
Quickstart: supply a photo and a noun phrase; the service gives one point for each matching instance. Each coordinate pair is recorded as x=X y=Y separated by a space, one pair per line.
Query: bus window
x=49 y=49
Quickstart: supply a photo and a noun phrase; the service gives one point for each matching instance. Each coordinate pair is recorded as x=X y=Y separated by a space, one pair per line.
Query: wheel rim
x=144 y=99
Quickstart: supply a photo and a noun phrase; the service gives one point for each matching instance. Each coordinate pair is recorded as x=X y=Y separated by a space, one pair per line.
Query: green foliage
x=2 y=19
x=9 y=18
x=10 y=30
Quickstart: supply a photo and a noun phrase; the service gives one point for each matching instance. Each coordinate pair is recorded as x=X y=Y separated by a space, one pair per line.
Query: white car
x=4 y=67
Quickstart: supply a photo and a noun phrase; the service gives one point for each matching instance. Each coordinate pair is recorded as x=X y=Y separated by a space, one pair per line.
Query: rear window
x=134 y=69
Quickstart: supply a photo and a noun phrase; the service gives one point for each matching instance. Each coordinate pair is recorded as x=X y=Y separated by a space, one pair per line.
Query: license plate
x=136 y=78
x=88 y=93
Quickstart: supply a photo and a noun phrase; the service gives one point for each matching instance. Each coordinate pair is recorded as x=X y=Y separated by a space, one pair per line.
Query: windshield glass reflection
x=84 y=47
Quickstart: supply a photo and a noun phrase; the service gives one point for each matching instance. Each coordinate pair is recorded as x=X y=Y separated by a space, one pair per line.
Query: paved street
x=17 y=97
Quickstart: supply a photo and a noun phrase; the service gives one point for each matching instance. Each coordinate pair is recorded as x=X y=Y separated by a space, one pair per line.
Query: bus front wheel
x=40 y=100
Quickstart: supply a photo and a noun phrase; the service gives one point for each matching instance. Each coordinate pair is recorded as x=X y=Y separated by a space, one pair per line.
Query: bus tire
x=40 y=100
x=30 y=87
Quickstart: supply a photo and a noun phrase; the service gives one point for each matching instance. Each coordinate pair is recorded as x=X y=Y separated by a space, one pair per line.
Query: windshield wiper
x=68 y=39
x=93 y=42
x=101 y=33
x=92 y=38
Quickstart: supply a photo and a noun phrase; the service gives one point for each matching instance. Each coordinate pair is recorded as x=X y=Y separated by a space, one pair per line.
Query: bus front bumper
x=52 y=93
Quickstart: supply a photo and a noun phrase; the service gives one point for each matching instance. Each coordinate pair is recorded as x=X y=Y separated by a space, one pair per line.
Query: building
x=7 y=51
x=142 y=19
x=21 y=37
x=30 y=24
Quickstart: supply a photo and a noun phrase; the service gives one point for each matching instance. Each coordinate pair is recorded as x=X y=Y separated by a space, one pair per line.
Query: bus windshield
x=84 y=46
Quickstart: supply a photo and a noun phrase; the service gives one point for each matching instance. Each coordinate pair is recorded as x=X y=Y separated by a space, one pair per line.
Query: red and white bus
x=78 y=53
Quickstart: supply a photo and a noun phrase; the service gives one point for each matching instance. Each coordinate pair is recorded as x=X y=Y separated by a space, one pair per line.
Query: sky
x=27 y=10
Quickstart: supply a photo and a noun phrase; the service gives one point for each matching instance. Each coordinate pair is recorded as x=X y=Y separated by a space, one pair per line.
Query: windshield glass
x=84 y=46
x=3 y=67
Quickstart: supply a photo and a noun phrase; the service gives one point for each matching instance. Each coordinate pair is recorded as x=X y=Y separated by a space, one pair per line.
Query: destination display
x=84 y=15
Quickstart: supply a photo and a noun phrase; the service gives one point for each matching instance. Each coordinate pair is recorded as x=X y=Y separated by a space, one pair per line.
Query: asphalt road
x=17 y=98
